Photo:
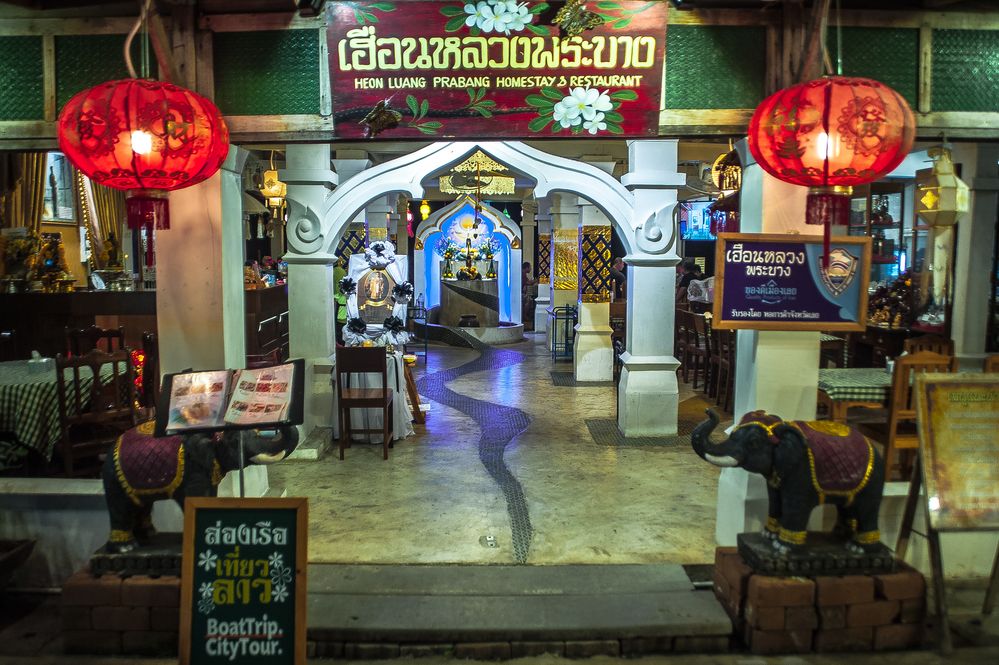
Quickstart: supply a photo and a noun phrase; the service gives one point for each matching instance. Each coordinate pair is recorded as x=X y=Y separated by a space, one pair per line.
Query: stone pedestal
x=593 y=353
x=475 y=297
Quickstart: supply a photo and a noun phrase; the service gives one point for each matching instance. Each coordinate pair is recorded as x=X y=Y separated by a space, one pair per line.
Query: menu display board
x=231 y=399
x=778 y=282
x=496 y=69
x=243 y=585
x=959 y=418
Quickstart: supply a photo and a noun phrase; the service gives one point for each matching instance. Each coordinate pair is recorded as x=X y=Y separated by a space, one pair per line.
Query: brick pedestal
x=821 y=613
x=110 y=615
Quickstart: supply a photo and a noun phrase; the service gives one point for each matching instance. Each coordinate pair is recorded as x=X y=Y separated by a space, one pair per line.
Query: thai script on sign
x=740 y=255
x=259 y=534
x=363 y=50
x=769 y=290
x=768 y=271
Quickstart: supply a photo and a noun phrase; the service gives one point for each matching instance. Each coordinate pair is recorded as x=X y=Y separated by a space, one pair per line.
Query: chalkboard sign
x=959 y=417
x=243 y=587
x=777 y=282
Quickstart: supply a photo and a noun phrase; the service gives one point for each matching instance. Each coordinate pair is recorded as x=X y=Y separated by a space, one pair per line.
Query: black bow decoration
x=357 y=326
x=348 y=286
x=377 y=247
x=403 y=292
x=394 y=324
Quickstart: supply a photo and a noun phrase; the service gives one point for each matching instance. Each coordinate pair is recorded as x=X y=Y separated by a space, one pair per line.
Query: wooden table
x=842 y=388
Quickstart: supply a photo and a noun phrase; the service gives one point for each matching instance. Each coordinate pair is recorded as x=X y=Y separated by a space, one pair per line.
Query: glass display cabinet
x=878 y=210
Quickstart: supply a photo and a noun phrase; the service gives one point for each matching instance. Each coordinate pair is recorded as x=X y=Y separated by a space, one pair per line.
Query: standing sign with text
x=243 y=588
x=495 y=68
x=777 y=282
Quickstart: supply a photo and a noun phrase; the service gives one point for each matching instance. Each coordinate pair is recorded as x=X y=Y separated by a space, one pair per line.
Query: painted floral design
x=498 y=16
x=206 y=589
x=280 y=593
x=276 y=560
x=419 y=110
x=582 y=109
x=207 y=560
x=281 y=575
x=364 y=12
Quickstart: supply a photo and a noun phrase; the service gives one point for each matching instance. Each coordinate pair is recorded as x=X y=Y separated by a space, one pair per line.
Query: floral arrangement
x=395 y=332
x=50 y=261
x=402 y=293
x=347 y=286
x=18 y=253
x=468 y=273
x=448 y=248
x=489 y=247
x=379 y=254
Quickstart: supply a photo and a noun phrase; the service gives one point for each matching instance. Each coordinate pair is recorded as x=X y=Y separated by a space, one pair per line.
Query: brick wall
x=824 y=613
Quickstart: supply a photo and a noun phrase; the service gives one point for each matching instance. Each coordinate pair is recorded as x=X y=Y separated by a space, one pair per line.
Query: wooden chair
x=680 y=323
x=898 y=432
x=723 y=370
x=991 y=364
x=931 y=343
x=93 y=412
x=697 y=351
x=81 y=340
x=360 y=360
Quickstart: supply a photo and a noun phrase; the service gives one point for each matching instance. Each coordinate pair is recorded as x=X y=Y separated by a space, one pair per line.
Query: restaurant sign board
x=777 y=282
x=958 y=419
x=243 y=588
x=495 y=68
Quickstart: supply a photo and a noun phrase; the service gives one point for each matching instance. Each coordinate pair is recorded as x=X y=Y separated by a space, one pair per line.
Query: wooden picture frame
x=862 y=274
x=195 y=554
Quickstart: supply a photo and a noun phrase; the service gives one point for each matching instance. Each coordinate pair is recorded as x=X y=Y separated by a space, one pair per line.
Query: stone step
x=472 y=604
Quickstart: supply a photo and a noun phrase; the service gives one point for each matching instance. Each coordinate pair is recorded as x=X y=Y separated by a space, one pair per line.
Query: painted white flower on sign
x=596 y=124
x=281 y=575
x=276 y=560
x=497 y=16
x=280 y=593
x=566 y=115
x=207 y=560
x=206 y=589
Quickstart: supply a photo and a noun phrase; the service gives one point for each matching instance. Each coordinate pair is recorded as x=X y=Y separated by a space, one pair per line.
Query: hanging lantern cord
x=140 y=23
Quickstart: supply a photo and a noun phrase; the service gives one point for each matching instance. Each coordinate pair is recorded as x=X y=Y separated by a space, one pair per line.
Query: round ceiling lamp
x=830 y=135
x=145 y=137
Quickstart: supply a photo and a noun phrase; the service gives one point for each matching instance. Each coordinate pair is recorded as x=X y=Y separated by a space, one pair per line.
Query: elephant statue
x=805 y=464
x=143 y=469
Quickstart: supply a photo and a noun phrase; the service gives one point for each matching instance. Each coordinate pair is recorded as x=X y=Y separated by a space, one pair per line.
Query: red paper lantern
x=145 y=137
x=829 y=135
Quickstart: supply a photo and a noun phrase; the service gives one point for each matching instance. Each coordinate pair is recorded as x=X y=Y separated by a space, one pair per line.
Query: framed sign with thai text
x=958 y=419
x=496 y=68
x=777 y=282
x=243 y=589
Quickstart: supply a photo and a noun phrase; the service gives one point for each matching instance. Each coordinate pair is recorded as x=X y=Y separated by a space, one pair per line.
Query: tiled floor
x=445 y=491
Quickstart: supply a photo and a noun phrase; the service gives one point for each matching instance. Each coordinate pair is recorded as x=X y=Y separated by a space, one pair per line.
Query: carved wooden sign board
x=243 y=587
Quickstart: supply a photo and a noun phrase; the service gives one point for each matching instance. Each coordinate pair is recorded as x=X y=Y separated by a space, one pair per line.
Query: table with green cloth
x=29 y=409
x=843 y=388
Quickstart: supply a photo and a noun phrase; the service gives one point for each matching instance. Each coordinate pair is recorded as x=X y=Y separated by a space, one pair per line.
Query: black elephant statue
x=805 y=464
x=143 y=469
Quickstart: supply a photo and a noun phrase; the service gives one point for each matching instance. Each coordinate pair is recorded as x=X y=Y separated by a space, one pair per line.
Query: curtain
x=22 y=189
x=109 y=208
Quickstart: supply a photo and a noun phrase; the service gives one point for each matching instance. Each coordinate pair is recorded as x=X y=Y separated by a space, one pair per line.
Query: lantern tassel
x=828 y=206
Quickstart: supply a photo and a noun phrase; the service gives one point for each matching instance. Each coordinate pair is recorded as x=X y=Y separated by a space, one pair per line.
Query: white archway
x=316 y=233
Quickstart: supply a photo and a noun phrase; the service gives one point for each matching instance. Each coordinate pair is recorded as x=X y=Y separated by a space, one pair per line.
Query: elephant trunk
x=722 y=454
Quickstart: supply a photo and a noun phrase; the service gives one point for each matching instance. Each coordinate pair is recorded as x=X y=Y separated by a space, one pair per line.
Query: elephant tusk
x=726 y=460
x=264 y=458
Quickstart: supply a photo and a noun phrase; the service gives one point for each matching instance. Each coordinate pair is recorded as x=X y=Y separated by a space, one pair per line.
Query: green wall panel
x=267 y=73
x=714 y=67
x=965 y=70
x=21 y=92
x=889 y=55
x=83 y=61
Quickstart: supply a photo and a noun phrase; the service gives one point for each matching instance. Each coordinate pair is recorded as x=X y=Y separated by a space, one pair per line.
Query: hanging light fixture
x=424 y=210
x=830 y=135
x=145 y=137
x=274 y=191
x=943 y=196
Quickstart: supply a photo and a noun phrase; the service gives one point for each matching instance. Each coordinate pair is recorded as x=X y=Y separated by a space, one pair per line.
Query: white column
x=310 y=285
x=648 y=394
x=400 y=228
x=544 y=299
x=776 y=371
x=200 y=306
x=376 y=218
x=973 y=258
x=593 y=353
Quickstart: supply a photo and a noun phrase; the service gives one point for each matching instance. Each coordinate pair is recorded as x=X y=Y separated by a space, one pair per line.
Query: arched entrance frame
x=640 y=207
x=502 y=225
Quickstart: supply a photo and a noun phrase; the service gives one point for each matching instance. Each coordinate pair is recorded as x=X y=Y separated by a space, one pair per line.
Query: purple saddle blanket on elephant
x=840 y=456
x=145 y=463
